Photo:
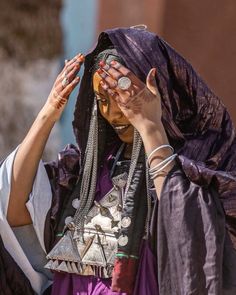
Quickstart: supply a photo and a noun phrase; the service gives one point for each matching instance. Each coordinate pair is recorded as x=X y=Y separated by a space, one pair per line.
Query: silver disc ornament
x=123 y=240
x=124 y=83
x=125 y=221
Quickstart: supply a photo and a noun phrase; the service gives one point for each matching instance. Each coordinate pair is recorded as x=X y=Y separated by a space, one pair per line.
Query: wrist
x=148 y=127
x=153 y=136
x=49 y=113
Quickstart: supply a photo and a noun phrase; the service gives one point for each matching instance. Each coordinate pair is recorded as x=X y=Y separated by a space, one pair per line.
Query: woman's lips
x=120 y=129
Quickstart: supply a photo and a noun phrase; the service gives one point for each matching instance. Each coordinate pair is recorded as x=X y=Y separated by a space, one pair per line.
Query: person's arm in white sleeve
x=29 y=153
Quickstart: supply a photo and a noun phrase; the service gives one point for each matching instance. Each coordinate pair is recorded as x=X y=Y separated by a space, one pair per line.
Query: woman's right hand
x=30 y=150
x=65 y=83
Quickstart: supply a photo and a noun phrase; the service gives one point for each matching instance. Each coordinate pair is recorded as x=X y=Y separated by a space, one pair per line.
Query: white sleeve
x=38 y=206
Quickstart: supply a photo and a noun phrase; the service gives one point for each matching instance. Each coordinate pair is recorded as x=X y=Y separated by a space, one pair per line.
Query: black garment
x=194 y=252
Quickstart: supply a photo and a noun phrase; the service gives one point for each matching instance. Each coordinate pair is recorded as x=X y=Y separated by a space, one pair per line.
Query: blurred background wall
x=36 y=37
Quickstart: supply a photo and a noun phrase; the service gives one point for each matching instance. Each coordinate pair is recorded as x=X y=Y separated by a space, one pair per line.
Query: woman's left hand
x=140 y=103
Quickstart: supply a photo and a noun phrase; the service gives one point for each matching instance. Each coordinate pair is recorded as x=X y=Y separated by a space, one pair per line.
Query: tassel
x=74 y=268
x=54 y=265
x=49 y=264
x=62 y=267
x=88 y=271
x=69 y=267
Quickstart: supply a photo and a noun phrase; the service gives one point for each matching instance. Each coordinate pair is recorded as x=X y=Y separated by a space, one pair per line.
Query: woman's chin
x=128 y=136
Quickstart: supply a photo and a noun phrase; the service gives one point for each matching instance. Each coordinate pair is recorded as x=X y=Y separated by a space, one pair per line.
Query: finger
x=110 y=70
x=151 y=81
x=107 y=79
x=126 y=72
x=70 y=87
x=104 y=85
x=68 y=74
x=115 y=73
x=110 y=92
x=72 y=73
x=75 y=62
x=124 y=96
x=77 y=58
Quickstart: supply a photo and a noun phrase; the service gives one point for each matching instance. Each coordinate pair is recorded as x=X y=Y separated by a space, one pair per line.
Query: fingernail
x=113 y=62
x=102 y=63
x=81 y=58
x=66 y=61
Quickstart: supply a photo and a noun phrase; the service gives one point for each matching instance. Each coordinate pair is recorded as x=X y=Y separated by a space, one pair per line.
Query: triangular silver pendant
x=49 y=264
x=69 y=267
x=52 y=265
x=74 y=268
x=95 y=255
x=62 y=267
x=65 y=249
x=87 y=270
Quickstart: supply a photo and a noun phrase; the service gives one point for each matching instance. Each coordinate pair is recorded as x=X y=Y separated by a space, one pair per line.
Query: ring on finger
x=124 y=83
x=65 y=74
x=65 y=81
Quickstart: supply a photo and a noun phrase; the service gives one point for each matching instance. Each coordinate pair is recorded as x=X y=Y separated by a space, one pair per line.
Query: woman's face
x=112 y=113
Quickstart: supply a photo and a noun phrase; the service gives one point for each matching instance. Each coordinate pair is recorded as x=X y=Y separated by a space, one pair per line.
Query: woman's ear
x=151 y=81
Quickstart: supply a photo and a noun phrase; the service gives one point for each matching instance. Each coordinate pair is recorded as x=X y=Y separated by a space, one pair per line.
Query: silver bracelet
x=153 y=172
x=157 y=149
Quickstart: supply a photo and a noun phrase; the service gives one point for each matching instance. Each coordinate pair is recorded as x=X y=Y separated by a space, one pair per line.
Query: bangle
x=157 y=149
x=153 y=169
x=153 y=172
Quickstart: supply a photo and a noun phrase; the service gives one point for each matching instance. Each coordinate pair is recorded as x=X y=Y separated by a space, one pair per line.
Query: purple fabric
x=70 y=284
x=104 y=183
x=146 y=282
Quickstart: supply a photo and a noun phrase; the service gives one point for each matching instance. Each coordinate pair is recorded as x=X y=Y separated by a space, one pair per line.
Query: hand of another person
x=140 y=103
x=65 y=83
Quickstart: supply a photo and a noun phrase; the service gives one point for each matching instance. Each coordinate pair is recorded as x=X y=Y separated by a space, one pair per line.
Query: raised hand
x=65 y=83
x=139 y=102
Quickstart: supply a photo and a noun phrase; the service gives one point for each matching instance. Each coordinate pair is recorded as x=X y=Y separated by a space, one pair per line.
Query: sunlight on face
x=112 y=113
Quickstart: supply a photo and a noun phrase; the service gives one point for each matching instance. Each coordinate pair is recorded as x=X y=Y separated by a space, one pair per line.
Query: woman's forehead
x=96 y=84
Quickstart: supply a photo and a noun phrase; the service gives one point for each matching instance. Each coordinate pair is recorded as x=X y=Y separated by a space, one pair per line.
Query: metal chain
x=137 y=144
x=149 y=205
x=89 y=178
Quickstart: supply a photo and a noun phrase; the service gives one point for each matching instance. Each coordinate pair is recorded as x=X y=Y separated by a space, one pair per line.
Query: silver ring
x=65 y=81
x=124 y=83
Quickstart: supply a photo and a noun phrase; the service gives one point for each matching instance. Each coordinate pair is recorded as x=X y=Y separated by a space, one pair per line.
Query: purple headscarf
x=197 y=123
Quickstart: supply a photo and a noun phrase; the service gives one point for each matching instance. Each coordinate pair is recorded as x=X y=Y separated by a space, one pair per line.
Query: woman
x=104 y=205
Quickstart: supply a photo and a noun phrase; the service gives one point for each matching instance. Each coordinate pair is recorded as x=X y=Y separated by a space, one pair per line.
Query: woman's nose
x=114 y=111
